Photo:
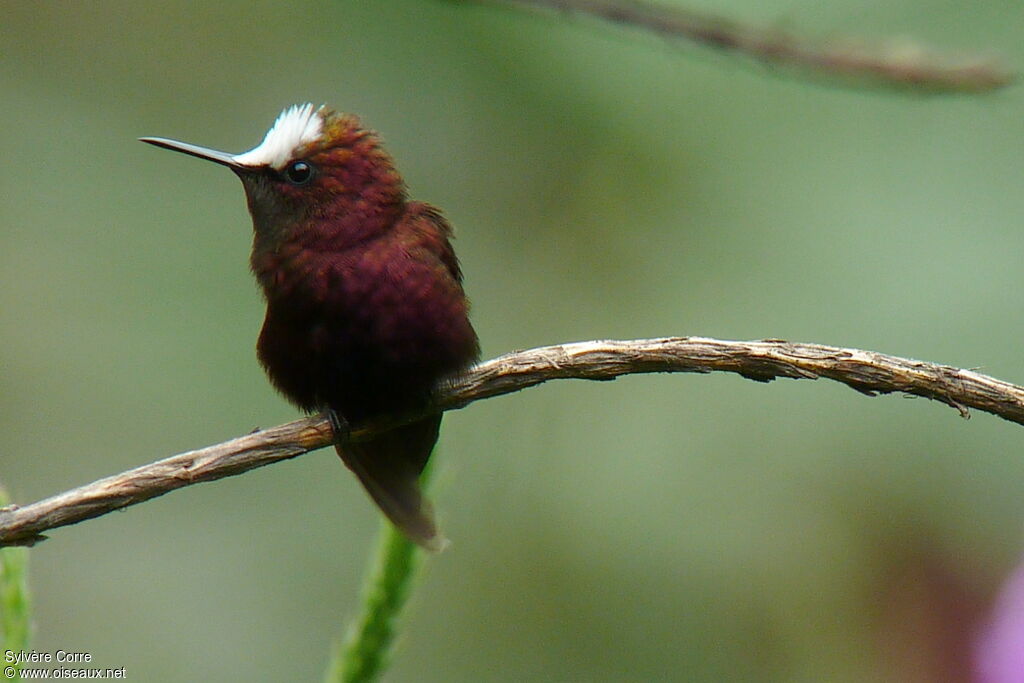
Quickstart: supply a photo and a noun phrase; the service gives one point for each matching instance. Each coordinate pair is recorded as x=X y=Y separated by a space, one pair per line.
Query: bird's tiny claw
x=339 y=425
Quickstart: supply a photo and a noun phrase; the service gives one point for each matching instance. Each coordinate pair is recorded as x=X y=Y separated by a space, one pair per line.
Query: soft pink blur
x=999 y=655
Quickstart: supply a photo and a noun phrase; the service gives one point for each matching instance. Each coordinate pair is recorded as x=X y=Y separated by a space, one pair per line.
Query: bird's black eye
x=299 y=172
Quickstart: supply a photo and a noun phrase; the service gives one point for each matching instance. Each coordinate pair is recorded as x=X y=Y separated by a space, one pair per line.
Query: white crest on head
x=297 y=125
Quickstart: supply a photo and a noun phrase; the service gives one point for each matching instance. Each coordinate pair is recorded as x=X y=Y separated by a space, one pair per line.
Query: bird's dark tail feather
x=389 y=468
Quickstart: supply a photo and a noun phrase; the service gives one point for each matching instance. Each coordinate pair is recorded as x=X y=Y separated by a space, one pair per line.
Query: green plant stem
x=15 y=602
x=364 y=654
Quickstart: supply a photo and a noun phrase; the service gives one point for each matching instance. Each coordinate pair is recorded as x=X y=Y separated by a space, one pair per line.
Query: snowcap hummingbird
x=365 y=306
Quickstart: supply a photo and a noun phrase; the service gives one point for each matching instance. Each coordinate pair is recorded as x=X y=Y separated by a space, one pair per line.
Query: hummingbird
x=366 y=312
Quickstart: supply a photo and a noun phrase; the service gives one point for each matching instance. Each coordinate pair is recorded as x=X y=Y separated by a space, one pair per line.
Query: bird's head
x=318 y=178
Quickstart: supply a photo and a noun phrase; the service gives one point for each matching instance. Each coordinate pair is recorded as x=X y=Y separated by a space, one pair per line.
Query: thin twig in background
x=898 y=64
x=866 y=371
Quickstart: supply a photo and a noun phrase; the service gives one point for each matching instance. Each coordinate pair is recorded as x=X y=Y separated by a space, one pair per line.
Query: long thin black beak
x=213 y=155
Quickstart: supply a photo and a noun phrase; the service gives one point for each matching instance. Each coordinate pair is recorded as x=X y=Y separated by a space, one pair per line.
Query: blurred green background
x=603 y=183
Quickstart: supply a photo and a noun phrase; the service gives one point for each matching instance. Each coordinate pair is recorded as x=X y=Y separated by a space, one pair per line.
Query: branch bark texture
x=866 y=371
x=901 y=65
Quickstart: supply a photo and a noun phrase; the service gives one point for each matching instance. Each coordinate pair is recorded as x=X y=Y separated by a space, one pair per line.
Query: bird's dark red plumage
x=365 y=306
x=368 y=329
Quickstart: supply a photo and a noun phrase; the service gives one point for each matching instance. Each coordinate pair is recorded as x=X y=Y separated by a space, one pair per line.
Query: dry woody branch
x=898 y=64
x=866 y=371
